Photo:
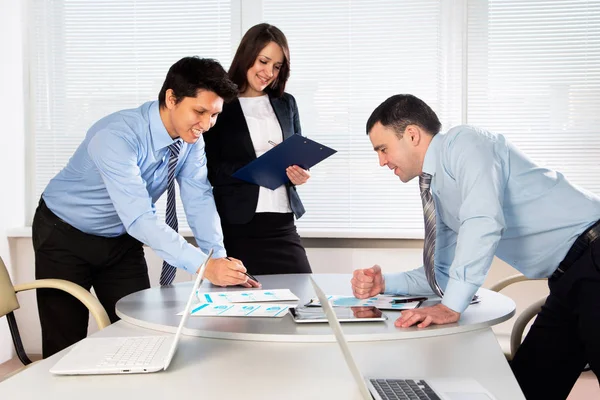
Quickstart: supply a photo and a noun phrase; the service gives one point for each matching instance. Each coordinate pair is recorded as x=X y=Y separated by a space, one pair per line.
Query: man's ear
x=414 y=134
x=170 y=99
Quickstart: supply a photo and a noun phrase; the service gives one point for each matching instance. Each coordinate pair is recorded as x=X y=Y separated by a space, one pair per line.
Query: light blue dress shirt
x=119 y=171
x=491 y=199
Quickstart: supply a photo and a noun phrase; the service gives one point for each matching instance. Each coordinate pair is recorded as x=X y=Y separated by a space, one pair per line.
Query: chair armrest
x=88 y=300
x=509 y=280
x=516 y=336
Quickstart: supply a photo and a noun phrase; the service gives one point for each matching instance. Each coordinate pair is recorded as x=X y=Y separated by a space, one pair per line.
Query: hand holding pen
x=252 y=281
x=227 y=272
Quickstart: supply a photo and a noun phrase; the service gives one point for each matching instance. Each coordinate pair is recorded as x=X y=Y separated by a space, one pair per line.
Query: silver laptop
x=399 y=388
x=126 y=355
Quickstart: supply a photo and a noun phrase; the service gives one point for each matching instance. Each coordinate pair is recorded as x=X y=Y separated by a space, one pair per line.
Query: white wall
x=12 y=135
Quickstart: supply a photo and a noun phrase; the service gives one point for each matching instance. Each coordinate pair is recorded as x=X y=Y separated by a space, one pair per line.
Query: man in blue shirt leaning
x=483 y=197
x=96 y=213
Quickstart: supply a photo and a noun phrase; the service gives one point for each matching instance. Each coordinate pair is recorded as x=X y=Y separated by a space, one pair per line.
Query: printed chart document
x=268 y=170
x=239 y=310
x=243 y=303
x=247 y=296
x=381 y=302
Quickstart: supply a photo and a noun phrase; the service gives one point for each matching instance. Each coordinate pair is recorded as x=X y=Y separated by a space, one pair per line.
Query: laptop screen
x=339 y=336
x=188 y=308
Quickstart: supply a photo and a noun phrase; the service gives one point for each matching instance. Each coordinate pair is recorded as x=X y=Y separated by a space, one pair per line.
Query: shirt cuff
x=458 y=295
x=191 y=258
x=220 y=253
x=395 y=283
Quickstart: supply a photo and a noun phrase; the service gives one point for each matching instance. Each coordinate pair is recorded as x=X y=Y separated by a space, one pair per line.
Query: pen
x=408 y=300
x=245 y=273
x=272 y=143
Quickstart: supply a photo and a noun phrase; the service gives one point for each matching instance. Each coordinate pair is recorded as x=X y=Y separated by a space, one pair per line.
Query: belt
x=579 y=247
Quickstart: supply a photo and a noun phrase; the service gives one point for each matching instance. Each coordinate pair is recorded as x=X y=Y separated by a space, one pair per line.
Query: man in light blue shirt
x=96 y=213
x=491 y=199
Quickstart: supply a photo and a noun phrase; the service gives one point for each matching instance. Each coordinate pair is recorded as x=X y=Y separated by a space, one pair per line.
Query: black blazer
x=229 y=148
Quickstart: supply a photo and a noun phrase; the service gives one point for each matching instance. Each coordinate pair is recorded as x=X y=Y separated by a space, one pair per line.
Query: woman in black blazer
x=258 y=223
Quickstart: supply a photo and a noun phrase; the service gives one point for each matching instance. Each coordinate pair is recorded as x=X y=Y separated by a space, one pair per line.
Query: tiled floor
x=586 y=387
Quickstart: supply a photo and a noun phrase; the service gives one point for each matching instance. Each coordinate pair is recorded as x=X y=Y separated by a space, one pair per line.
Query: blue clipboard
x=268 y=170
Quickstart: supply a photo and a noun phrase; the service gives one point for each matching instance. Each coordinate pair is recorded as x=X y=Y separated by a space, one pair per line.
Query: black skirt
x=268 y=244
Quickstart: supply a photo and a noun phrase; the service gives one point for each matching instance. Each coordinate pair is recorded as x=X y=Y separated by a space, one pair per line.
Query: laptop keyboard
x=404 y=389
x=136 y=351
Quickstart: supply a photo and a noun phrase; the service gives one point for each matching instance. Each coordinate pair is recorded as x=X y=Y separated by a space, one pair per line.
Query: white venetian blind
x=90 y=58
x=534 y=75
x=346 y=58
x=531 y=72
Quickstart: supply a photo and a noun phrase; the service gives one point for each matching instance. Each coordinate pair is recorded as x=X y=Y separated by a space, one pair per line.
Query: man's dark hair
x=191 y=74
x=401 y=110
x=256 y=39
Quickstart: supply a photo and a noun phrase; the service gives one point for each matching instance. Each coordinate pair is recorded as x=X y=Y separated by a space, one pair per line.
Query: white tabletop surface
x=205 y=368
x=156 y=308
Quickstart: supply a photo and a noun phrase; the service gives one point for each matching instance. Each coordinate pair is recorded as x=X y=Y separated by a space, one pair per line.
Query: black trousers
x=114 y=267
x=268 y=244
x=566 y=334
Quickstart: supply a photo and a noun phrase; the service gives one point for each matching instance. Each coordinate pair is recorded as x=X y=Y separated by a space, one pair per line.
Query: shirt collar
x=431 y=155
x=160 y=136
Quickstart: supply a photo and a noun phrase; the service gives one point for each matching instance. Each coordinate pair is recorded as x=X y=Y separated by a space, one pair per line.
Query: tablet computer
x=304 y=314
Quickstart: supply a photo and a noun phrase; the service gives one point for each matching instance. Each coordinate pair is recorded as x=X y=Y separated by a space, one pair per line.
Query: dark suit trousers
x=114 y=267
x=566 y=333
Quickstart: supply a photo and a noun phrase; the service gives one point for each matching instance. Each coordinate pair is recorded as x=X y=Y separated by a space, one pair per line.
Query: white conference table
x=157 y=309
x=207 y=367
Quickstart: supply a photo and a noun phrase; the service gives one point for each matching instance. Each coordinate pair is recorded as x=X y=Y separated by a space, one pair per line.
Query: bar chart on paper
x=238 y=310
x=247 y=296
x=243 y=303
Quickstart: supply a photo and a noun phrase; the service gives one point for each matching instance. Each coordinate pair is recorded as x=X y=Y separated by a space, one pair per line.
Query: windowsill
x=25 y=232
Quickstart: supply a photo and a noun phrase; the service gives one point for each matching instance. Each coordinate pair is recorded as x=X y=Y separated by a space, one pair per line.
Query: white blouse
x=264 y=126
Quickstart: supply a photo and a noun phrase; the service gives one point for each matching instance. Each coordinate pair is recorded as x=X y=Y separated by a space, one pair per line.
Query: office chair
x=9 y=303
x=516 y=334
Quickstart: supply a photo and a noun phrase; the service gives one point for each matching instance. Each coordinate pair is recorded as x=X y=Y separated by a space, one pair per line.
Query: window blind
x=90 y=58
x=346 y=58
x=524 y=68
x=534 y=75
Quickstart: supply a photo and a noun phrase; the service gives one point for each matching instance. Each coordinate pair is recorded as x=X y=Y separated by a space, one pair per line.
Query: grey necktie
x=429 y=245
x=168 y=271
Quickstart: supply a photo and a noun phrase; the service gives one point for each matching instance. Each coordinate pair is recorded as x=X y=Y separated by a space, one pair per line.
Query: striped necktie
x=429 y=245
x=168 y=271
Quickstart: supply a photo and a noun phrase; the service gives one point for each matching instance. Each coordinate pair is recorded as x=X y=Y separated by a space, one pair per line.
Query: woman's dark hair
x=191 y=74
x=256 y=39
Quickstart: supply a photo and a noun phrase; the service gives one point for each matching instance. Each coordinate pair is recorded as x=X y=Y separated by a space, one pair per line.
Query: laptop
x=399 y=388
x=126 y=355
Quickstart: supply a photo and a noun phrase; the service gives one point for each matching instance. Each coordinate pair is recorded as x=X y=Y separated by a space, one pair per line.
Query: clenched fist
x=367 y=282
